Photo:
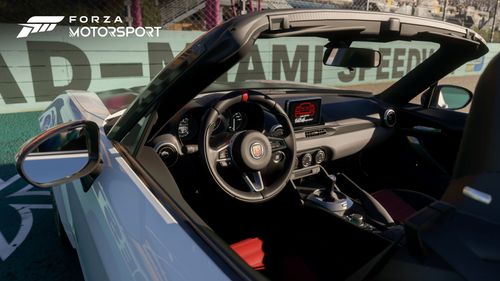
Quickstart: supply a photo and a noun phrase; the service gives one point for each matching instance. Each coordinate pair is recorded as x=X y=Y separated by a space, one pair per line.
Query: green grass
x=15 y=129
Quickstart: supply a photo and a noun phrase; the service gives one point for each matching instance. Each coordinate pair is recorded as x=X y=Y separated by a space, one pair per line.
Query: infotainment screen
x=304 y=112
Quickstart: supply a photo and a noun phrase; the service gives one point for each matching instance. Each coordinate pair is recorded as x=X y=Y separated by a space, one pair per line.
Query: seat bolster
x=250 y=250
x=399 y=209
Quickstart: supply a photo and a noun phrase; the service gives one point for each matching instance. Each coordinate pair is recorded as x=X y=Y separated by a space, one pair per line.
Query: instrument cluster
x=237 y=118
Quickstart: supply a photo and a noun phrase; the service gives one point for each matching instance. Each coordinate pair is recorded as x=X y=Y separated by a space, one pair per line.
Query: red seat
x=294 y=268
x=395 y=205
x=402 y=204
x=250 y=250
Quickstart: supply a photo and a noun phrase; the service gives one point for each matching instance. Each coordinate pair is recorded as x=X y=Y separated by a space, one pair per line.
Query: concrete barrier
x=35 y=69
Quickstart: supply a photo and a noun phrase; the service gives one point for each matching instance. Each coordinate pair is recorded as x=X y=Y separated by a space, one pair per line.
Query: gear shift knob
x=330 y=200
x=330 y=197
x=333 y=178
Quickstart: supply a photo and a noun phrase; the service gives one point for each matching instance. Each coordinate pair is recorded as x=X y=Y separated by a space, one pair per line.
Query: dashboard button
x=278 y=157
x=319 y=156
x=307 y=160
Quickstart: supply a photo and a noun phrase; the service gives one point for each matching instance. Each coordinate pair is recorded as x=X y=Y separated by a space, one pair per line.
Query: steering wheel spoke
x=254 y=181
x=223 y=157
x=277 y=143
x=220 y=154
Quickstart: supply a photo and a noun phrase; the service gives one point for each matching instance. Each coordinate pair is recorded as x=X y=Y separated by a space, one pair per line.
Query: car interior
x=274 y=179
x=357 y=171
x=306 y=182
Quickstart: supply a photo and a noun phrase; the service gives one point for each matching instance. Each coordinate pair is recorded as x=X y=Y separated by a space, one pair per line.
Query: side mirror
x=450 y=97
x=351 y=57
x=60 y=155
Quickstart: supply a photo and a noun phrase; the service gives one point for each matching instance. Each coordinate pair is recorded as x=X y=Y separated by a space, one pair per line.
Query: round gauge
x=319 y=157
x=237 y=122
x=183 y=129
x=307 y=160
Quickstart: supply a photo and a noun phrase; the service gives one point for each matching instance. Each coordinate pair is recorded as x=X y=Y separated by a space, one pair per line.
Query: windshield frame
x=221 y=48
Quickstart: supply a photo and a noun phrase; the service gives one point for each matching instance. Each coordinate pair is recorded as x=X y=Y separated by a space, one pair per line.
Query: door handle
x=425 y=129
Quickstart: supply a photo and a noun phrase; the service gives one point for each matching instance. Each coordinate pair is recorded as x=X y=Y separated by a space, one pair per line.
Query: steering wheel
x=248 y=152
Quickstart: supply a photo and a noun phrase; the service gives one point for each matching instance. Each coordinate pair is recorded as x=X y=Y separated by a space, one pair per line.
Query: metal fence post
x=129 y=19
x=212 y=13
x=493 y=24
x=136 y=13
x=445 y=3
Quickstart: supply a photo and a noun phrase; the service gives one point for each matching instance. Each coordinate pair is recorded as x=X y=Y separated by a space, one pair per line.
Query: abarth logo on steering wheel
x=256 y=150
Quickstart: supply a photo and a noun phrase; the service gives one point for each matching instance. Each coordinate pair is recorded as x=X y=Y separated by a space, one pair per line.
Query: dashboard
x=327 y=126
x=244 y=116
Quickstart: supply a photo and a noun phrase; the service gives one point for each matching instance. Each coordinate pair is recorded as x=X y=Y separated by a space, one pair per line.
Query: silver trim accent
x=305 y=172
x=274 y=128
x=159 y=145
x=316 y=156
x=304 y=156
x=413 y=140
x=338 y=207
x=229 y=153
x=426 y=129
x=282 y=157
x=258 y=186
x=386 y=114
x=477 y=195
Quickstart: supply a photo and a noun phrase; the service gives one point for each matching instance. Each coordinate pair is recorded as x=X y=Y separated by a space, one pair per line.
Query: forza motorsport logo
x=87 y=30
x=39 y=24
x=108 y=31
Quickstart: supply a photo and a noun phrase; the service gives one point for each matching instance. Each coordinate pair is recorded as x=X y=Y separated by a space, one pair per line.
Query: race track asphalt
x=29 y=246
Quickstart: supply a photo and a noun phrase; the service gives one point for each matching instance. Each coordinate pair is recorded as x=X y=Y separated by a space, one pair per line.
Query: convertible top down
x=217 y=51
x=195 y=177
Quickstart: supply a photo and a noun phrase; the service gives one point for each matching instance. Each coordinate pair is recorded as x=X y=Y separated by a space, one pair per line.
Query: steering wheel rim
x=239 y=149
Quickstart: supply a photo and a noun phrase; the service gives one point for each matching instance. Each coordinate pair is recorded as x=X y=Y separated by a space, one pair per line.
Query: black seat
x=479 y=152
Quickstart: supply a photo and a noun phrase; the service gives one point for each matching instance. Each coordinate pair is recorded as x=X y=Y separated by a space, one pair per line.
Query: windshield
x=300 y=59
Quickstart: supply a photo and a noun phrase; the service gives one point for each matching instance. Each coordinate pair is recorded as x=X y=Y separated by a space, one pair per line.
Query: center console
x=339 y=196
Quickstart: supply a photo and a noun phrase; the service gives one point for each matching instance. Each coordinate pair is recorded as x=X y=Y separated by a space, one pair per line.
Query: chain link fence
x=204 y=14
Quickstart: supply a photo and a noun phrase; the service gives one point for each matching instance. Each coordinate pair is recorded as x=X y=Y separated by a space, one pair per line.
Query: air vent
x=168 y=153
x=390 y=117
x=315 y=133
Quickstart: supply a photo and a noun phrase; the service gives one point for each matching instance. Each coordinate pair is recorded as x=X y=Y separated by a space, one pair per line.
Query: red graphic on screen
x=305 y=109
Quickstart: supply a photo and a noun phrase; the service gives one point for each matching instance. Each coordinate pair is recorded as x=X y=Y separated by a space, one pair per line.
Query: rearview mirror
x=351 y=57
x=61 y=154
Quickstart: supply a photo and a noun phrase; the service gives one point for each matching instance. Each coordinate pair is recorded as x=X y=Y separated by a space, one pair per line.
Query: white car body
x=119 y=228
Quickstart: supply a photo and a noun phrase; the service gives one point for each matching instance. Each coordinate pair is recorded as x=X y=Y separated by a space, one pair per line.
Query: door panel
x=443 y=142
x=421 y=155
x=124 y=233
x=60 y=194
